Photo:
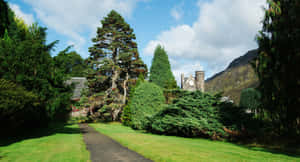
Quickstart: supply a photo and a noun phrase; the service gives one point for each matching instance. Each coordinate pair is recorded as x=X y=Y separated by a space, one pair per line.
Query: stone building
x=192 y=83
x=80 y=84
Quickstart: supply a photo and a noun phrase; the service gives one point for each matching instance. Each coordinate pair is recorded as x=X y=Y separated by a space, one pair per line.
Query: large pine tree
x=114 y=58
x=160 y=72
x=278 y=63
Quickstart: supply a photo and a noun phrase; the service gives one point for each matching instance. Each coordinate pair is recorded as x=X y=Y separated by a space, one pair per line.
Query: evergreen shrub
x=250 y=99
x=18 y=106
x=126 y=114
x=193 y=114
x=160 y=72
x=147 y=100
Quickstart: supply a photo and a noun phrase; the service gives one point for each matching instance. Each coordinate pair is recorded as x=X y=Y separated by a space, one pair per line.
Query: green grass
x=170 y=148
x=60 y=143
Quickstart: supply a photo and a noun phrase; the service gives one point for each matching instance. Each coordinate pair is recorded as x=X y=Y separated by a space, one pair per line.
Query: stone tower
x=193 y=83
x=199 y=78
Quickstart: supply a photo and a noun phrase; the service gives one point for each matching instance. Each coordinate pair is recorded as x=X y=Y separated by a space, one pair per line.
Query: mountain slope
x=236 y=77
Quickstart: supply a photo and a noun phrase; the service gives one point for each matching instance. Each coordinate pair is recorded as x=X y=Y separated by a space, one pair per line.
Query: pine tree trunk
x=125 y=88
x=114 y=79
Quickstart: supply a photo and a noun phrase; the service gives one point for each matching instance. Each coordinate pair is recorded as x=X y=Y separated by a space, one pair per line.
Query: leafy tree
x=147 y=100
x=114 y=60
x=71 y=63
x=250 y=99
x=277 y=65
x=160 y=72
x=26 y=61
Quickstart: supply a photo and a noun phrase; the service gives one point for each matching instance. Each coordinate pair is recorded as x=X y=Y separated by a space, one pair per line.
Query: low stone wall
x=79 y=113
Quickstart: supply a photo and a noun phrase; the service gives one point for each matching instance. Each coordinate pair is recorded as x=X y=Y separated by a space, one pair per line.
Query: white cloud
x=186 y=69
x=224 y=30
x=72 y=18
x=28 y=18
x=177 y=12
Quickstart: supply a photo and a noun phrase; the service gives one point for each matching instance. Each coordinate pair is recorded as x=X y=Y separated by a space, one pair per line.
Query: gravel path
x=104 y=149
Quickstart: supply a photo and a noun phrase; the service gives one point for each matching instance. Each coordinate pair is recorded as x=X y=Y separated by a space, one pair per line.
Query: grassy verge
x=58 y=143
x=170 y=148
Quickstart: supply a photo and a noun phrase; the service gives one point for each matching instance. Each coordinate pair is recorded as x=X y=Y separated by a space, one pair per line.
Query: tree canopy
x=114 y=59
x=71 y=63
x=277 y=65
x=31 y=85
x=160 y=72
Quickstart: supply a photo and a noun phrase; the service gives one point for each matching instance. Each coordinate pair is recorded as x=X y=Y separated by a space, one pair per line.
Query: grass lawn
x=60 y=143
x=170 y=148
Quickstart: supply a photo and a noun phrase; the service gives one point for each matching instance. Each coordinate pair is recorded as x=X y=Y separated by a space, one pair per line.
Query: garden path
x=104 y=149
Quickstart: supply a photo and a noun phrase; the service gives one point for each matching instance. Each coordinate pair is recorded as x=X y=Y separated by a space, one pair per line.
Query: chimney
x=199 y=77
x=182 y=80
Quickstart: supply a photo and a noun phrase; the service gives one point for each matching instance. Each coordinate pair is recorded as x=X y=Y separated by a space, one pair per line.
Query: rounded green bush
x=147 y=100
x=194 y=114
x=250 y=99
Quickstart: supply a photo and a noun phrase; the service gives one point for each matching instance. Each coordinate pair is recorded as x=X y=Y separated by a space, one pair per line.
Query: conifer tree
x=160 y=72
x=6 y=18
x=114 y=58
x=277 y=65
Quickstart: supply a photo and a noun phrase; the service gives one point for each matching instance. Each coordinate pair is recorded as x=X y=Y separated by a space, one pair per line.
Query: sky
x=196 y=34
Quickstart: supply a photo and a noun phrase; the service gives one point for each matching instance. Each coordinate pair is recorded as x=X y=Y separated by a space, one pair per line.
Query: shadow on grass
x=292 y=151
x=49 y=130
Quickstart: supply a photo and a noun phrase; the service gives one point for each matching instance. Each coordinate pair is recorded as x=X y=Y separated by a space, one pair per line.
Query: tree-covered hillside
x=237 y=76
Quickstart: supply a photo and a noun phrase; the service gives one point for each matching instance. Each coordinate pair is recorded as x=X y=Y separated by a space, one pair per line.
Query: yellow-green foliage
x=14 y=98
x=147 y=100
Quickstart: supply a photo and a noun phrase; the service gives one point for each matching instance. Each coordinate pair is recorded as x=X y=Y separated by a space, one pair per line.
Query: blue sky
x=197 y=34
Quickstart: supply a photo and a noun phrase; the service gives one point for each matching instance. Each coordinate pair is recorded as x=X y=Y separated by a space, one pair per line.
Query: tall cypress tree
x=160 y=72
x=277 y=65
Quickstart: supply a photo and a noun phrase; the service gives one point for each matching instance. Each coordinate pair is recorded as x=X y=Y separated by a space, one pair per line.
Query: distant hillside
x=236 y=77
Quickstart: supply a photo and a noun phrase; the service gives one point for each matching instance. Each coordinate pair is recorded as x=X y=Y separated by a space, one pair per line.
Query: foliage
x=71 y=63
x=6 y=18
x=171 y=94
x=278 y=63
x=160 y=72
x=84 y=102
x=250 y=99
x=25 y=61
x=147 y=100
x=114 y=56
x=77 y=120
x=126 y=114
x=18 y=106
x=28 y=62
x=114 y=61
x=193 y=114
x=237 y=119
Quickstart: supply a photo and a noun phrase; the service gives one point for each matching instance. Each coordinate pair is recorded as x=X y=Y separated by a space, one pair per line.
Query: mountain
x=236 y=77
